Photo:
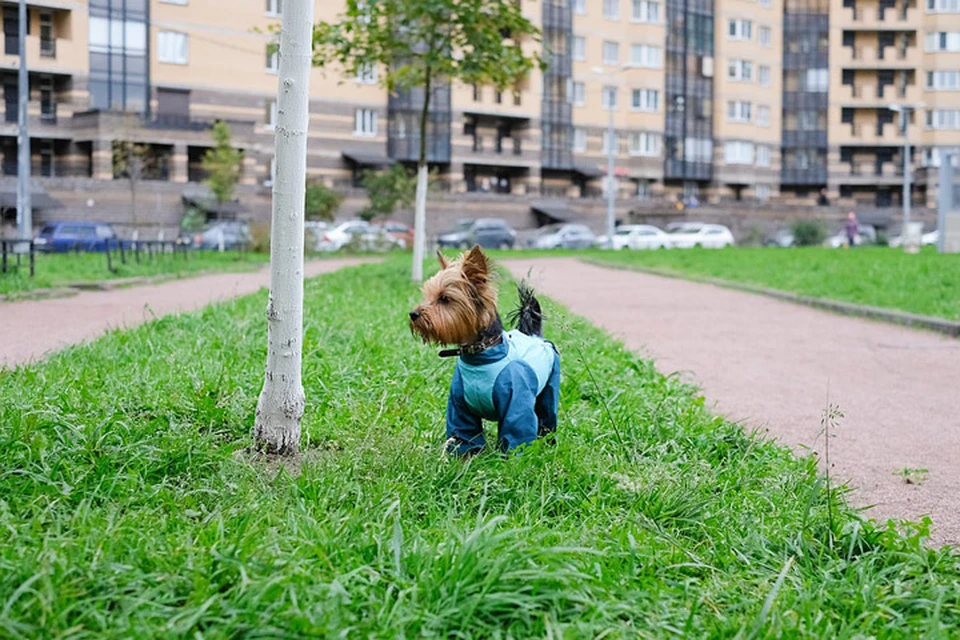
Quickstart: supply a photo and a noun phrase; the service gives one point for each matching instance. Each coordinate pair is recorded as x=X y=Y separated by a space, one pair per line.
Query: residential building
x=769 y=101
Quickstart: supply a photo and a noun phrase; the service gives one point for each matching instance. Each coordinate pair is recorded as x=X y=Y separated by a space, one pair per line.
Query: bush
x=809 y=233
x=321 y=202
x=260 y=233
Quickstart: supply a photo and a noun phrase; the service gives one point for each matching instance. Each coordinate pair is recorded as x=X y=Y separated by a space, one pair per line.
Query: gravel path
x=32 y=329
x=771 y=365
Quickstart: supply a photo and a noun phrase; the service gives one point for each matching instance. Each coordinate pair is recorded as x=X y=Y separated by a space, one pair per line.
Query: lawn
x=129 y=507
x=927 y=283
x=54 y=270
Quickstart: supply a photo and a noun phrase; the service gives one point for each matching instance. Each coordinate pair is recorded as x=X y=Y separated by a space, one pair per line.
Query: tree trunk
x=277 y=424
x=420 y=215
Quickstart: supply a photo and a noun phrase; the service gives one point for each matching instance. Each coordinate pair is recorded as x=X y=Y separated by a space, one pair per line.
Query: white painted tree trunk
x=420 y=224
x=277 y=425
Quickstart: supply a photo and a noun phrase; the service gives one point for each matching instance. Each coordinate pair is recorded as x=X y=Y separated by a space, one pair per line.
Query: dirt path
x=31 y=329
x=769 y=364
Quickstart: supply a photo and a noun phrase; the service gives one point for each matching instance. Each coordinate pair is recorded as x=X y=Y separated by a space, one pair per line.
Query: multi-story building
x=755 y=100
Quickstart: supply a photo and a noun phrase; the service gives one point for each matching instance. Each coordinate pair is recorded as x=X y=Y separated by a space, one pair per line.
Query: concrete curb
x=38 y=294
x=947 y=327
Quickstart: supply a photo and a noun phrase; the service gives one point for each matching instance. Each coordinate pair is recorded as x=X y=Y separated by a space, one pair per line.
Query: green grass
x=129 y=509
x=54 y=270
x=927 y=283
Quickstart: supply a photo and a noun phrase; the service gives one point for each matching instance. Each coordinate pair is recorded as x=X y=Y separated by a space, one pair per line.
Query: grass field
x=927 y=283
x=53 y=270
x=129 y=508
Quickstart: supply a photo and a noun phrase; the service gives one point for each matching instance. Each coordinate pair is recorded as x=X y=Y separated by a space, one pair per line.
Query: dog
x=510 y=377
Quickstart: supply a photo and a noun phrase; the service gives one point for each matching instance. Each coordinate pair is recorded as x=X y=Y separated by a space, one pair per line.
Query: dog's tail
x=527 y=317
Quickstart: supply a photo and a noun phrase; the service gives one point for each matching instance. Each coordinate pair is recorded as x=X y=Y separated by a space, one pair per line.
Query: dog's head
x=458 y=302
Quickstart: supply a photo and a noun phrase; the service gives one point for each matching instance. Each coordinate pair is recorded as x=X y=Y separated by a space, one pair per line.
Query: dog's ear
x=444 y=263
x=476 y=265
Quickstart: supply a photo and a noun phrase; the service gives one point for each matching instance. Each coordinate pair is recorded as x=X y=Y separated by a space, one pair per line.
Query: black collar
x=491 y=336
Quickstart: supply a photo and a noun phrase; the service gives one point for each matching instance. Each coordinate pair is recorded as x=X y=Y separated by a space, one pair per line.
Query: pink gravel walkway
x=770 y=364
x=32 y=329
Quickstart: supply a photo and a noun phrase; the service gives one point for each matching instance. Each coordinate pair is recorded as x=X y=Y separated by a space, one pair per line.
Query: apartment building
x=728 y=100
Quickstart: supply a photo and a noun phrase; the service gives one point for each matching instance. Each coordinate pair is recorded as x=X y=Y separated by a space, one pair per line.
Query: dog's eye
x=443 y=299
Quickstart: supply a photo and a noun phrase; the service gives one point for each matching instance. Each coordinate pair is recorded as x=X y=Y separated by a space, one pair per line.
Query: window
x=477 y=93
x=273 y=58
x=943 y=6
x=763 y=116
x=609 y=98
x=763 y=192
x=579 y=48
x=48 y=43
x=738 y=152
x=183 y=2
x=46 y=158
x=605 y=142
x=611 y=9
x=765 y=36
x=698 y=150
x=943 y=80
x=816 y=80
x=763 y=156
x=943 y=119
x=365 y=122
x=579 y=140
x=172 y=47
x=807 y=120
x=644 y=55
x=270 y=117
x=644 y=100
x=611 y=53
x=740 y=70
x=766 y=4
x=579 y=7
x=738 y=111
x=763 y=75
x=943 y=41
x=367 y=74
x=274 y=7
x=579 y=94
x=646 y=11
x=645 y=144
x=739 y=29
x=935 y=156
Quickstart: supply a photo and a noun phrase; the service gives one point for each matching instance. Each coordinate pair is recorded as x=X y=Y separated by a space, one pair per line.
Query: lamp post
x=904 y=111
x=24 y=204
x=611 y=154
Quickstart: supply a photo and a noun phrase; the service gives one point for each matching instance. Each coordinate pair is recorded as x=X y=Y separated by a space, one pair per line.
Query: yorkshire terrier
x=511 y=377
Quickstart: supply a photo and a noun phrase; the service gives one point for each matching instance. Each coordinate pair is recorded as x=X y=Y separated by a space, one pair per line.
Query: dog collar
x=473 y=348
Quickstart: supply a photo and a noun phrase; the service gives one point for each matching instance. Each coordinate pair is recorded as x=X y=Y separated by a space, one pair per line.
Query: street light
x=611 y=152
x=904 y=111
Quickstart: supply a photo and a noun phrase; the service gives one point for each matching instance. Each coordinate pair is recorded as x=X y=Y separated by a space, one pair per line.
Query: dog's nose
x=414 y=315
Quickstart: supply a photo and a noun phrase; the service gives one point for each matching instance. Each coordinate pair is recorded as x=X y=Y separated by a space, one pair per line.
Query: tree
x=222 y=164
x=280 y=408
x=321 y=201
x=425 y=43
x=132 y=162
x=388 y=190
x=809 y=233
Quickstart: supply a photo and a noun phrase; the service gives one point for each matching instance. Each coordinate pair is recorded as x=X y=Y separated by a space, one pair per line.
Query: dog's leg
x=464 y=429
x=548 y=402
x=514 y=396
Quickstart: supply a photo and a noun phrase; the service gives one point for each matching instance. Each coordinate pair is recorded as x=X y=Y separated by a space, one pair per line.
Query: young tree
x=277 y=425
x=388 y=190
x=321 y=201
x=420 y=43
x=132 y=162
x=222 y=164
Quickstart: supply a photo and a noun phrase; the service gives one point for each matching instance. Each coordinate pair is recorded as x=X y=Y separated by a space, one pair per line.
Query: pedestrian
x=852 y=228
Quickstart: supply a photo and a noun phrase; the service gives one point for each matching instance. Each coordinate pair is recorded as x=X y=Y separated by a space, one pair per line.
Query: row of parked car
x=866 y=235
x=60 y=237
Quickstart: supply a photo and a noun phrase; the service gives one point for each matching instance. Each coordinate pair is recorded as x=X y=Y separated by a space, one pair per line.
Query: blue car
x=59 y=237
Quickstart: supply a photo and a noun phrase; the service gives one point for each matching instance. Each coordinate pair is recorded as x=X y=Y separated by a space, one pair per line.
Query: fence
x=136 y=251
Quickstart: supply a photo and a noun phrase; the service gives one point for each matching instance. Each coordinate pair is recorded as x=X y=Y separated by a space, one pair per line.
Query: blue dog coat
x=516 y=383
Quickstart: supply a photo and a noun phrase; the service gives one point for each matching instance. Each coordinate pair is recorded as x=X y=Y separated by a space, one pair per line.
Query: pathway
x=771 y=364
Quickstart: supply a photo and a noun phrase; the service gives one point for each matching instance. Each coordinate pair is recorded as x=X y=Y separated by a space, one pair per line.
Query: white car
x=339 y=236
x=927 y=239
x=698 y=234
x=638 y=236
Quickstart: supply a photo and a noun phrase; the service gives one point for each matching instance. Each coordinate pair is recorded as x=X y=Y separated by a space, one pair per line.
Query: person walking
x=852 y=228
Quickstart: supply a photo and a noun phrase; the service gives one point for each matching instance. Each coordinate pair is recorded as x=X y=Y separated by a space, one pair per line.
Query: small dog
x=511 y=377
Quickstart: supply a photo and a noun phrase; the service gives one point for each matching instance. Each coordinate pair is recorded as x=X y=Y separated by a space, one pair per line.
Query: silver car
x=564 y=236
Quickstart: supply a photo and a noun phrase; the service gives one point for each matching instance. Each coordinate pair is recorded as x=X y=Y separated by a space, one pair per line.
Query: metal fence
x=14 y=252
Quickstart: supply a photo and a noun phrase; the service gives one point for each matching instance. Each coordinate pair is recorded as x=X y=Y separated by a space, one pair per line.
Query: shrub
x=809 y=233
x=321 y=202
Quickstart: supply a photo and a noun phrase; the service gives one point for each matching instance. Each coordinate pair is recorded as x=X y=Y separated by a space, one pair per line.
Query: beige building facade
x=775 y=101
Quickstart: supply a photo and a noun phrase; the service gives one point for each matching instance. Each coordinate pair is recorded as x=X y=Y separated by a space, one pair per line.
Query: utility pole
x=24 y=205
x=611 y=179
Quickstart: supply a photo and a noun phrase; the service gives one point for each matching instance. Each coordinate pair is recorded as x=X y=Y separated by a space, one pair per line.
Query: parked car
x=782 y=238
x=339 y=236
x=236 y=235
x=489 y=233
x=928 y=239
x=313 y=231
x=866 y=234
x=564 y=236
x=638 y=236
x=400 y=232
x=698 y=234
x=58 y=237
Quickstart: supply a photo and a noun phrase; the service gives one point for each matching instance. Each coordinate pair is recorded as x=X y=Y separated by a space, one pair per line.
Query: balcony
x=873 y=95
x=497 y=152
x=871 y=172
x=46 y=55
x=871 y=134
x=869 y=56
x=876 y=19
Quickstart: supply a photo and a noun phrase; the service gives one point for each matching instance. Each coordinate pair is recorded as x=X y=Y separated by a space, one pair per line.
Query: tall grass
x=130 y=508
